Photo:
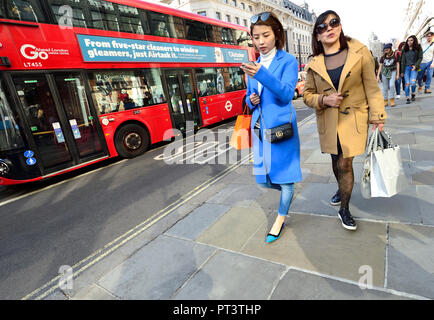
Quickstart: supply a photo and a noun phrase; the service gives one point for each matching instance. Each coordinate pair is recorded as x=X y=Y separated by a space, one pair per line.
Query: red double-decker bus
x=83 y=81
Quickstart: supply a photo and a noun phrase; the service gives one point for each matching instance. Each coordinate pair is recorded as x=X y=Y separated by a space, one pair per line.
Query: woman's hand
x=334 y=100
x=254 y=99
x=250 y=69
x=379 y=125
x=378 y=78
x=397 y=77
x=413 y=68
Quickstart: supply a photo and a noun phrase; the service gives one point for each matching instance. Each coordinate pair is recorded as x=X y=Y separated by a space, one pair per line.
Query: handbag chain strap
x=262 y=120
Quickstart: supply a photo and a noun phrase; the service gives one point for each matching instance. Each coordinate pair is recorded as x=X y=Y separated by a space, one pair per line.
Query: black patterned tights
x=344 y=174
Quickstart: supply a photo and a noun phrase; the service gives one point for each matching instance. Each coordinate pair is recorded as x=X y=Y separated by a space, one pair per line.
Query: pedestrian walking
x=270 y=89
x=376 y=65
x=389 y=70
x=399 y=81
x=427 y=63
x=410 y=64
x=342 y=87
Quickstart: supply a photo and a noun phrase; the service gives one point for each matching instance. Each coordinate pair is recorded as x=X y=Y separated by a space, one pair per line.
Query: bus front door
x=64 y=131
x=183 y=101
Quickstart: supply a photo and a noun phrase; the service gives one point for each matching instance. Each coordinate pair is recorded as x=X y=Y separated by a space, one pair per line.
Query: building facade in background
x=375 y=45
x=419 y=18
x=297 y=20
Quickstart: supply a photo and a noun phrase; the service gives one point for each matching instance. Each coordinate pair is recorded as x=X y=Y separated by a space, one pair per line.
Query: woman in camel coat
x=342 y=88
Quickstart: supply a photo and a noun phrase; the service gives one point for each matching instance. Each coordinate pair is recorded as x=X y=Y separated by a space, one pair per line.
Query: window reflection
x=211 y=81
x=206 y=81
x=10 y=136
x=227 y=36
x=23 y=10
x=125 y=90
x=243 y=39
x=196 y=31
x=78 y=14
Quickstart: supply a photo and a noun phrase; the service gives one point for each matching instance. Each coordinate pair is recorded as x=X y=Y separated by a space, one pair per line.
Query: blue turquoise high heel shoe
x=271 y=237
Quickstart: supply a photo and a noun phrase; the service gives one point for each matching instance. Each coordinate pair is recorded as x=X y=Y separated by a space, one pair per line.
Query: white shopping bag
x=387 y=174
x=383 y=174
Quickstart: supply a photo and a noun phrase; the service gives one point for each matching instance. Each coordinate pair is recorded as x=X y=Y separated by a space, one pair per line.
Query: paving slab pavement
x=217 y=250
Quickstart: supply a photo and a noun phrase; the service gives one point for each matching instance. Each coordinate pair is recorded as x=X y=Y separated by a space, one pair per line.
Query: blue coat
x=282 y=160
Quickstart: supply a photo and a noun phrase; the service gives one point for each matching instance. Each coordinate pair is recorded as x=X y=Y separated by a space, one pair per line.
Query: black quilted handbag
x=280 y=133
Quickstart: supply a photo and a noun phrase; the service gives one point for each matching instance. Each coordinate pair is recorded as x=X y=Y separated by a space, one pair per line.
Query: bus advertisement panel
x=109 y=80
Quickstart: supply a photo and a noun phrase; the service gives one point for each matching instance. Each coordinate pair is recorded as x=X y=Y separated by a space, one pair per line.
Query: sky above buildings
x=362 y=17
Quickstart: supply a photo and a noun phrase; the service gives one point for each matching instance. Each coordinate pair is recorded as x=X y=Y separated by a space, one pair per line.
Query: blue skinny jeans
x=285 y=197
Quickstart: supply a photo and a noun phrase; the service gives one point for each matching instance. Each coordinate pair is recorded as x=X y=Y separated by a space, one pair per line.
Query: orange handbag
x=242 y=136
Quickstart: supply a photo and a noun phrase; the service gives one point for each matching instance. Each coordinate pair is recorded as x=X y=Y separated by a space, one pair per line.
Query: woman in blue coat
x=270 y=89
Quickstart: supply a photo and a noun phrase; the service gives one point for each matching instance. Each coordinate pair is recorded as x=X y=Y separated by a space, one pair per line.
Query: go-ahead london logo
x=31 y=52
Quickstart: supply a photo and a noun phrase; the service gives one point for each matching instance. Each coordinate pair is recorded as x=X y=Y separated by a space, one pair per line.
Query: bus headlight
x=5 y=167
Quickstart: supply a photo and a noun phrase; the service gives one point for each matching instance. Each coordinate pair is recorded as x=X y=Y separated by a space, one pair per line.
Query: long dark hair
x=317 y=47
x=416 y=45
x=401 y=46
x=277 y=27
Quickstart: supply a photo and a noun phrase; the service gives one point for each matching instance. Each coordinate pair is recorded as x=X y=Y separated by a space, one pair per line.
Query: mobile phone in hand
x=250 y=63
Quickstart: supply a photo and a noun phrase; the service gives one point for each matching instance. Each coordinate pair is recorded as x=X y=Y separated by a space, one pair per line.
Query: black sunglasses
x=320 y=29
x=264 y=17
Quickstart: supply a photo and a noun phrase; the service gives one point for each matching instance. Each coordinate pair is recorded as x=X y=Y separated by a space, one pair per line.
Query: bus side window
x=242 y=38
x=130 y=19
x=114 y=91
x=237 y=78
x=110 y=16
x=79 y=14
x=154 y=93
x=206 y=81
x=145 y=21
x=159 y=23
x=103 y=15
x=217 y=34
x=23 y=10
x=177 y=27
x=210 y=33
x=196 y=30
x=10 y=135
x=228 y=36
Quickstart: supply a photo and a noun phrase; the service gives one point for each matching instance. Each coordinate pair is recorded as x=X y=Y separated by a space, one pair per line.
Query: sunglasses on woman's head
x=263 y=16
x=335 y=22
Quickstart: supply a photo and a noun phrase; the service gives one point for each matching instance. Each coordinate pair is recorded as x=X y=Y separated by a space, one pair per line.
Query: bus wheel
x=131 y=141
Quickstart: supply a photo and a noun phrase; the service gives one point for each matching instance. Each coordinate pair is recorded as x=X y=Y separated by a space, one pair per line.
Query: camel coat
x=363 y=101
